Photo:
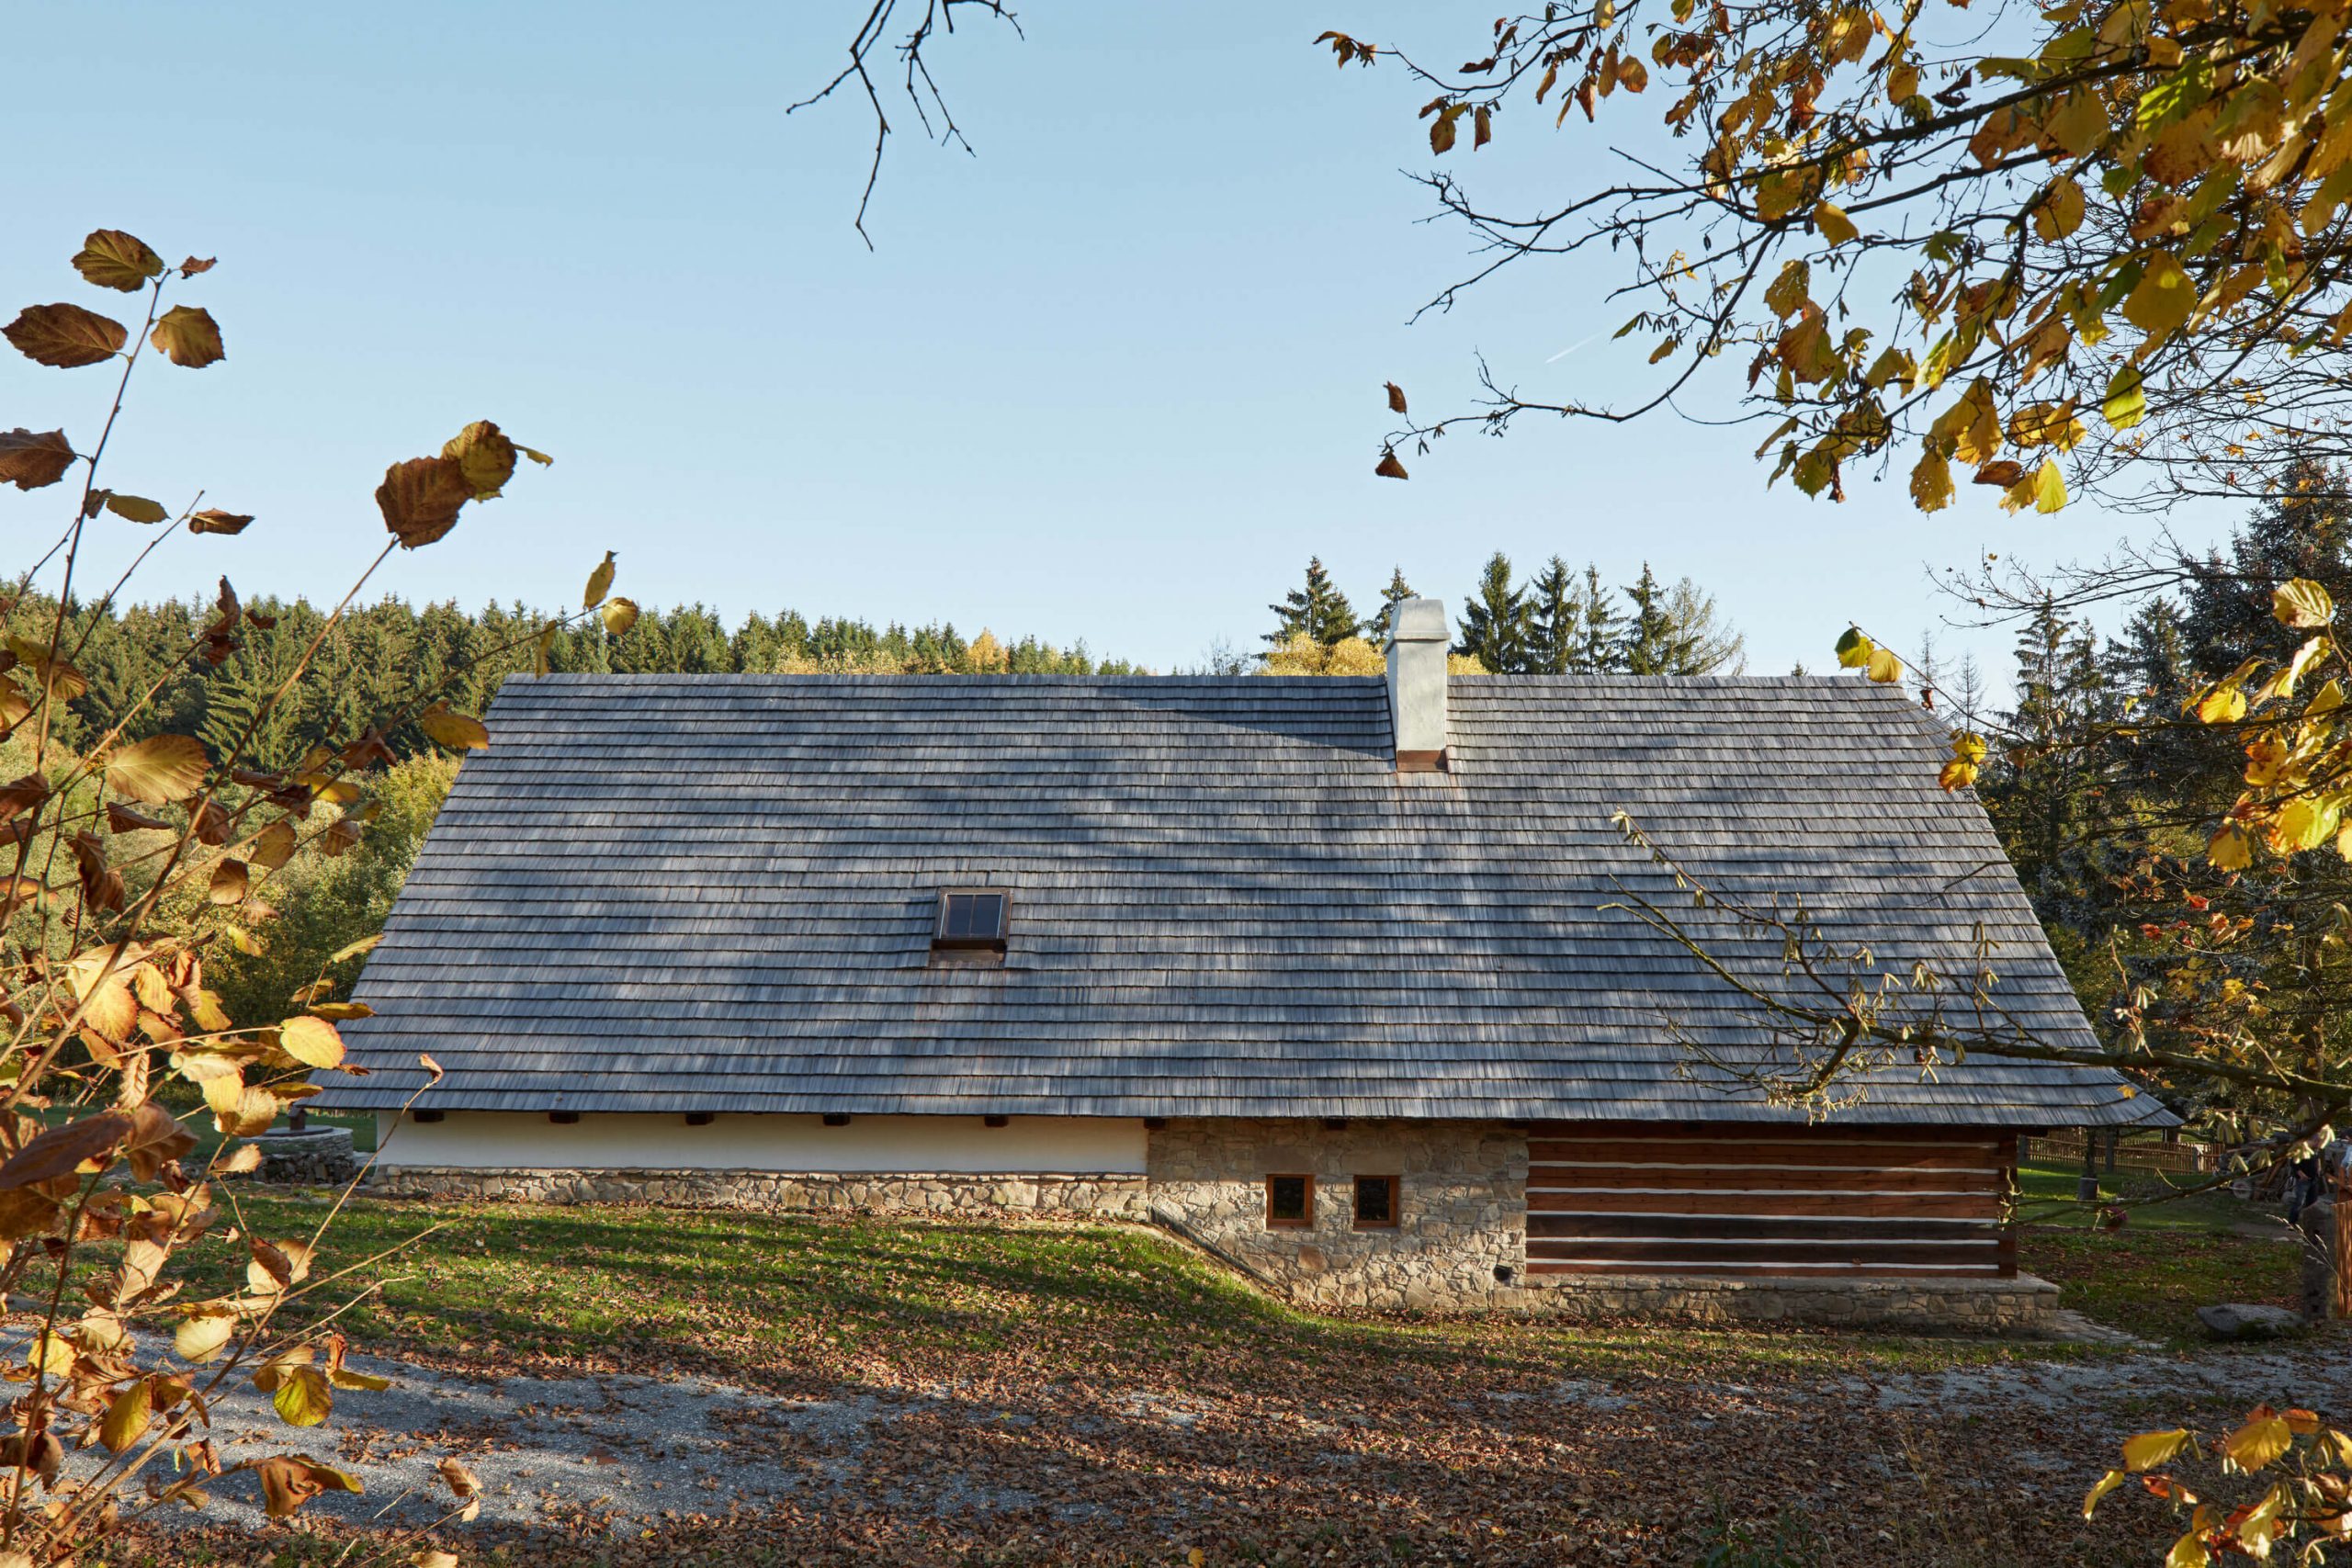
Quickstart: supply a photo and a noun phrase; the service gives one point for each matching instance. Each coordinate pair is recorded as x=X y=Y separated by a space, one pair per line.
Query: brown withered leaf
x=156 y=1138
x=486 y=456
x=338 y=839
x=191 y=267
x=121 y=818
x=1390 y=468
x=27 y=1211
x=61 y=1150
x=273 y=846
x=112 y=259
x=2002 y=472
x=212 y=825
x=65 y=337
x=289 y=1480
x=159 y=769
x=430 y=1066
x=266 y=623
x=188 y=337
x=230 y=881
x=421 y=497
x=30 y=460
x=22 y=795
x=341 y=1012
x=367 y=750
x=1395 y=398
x=213 y=520
x=101 y=886
x=50 y=675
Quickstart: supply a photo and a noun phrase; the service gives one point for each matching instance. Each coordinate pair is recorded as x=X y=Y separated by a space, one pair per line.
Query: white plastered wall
x=492 y=1140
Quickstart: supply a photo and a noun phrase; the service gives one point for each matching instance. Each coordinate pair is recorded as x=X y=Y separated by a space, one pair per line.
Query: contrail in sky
x=1570 y=349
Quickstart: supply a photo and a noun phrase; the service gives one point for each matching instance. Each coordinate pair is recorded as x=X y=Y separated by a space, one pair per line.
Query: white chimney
x=1418 y=636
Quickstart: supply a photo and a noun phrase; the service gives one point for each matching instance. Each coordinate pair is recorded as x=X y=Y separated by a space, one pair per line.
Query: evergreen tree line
x=1561 y=622
x=384 y=653
x=2104 y=796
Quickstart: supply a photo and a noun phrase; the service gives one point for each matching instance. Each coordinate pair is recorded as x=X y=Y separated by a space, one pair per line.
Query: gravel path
x=625 y=1454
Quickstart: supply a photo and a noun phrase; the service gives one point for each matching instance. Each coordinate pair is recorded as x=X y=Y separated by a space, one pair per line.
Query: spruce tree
x=1320 y=609
x=1494 y=628
x=1377 y=632
x=1596 y=645
x=1653 y=644
x=1554 y=621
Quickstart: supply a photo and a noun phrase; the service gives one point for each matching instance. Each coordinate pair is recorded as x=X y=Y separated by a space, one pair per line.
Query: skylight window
x=971 y=919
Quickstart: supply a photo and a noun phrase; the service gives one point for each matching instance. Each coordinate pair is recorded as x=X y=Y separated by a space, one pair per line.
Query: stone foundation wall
x=322 y=1156
x=2019 y=1304
x=1462 y=1209
x=1105 y=1197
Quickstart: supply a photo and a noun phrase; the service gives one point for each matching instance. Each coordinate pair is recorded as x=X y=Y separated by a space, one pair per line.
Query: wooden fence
x=2135 y=1154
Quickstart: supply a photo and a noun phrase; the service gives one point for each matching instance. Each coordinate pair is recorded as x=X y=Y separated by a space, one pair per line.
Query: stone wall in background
x=1461 y=1242
x=319 y=1156
x=2021 y=1304
x=944 y=1195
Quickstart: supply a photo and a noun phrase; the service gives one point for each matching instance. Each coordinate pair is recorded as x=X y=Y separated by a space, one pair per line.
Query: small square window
x=1377 y=1202
x=970 y=918
x=1290 y=1201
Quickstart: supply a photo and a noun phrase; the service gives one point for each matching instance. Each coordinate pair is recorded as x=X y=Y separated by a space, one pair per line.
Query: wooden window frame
x=971 y=948
x=1307 y=1223
x=1396 y=1202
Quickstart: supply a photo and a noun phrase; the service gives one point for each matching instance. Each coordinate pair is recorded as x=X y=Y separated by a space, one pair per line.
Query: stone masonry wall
x=1105 y=1197
x=1968 y=1306
x=1463 y=1208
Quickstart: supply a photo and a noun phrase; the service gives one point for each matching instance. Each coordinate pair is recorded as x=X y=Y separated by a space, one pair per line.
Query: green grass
x=2046 y=1196
x=789 y=1302
x=2172 y=1256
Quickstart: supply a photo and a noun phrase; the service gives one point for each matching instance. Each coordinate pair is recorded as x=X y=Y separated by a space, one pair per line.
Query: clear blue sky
x=1114 y=378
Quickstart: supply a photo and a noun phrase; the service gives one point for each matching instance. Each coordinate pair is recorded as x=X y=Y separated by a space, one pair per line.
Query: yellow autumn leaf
x=1884 y=667
x=454 y=731
x=2189 y=1551
x=1835 y=226
x=2160 y=303
x=128 y=1417
x=600 y=583
x=303 y=1397
x=1854 y=649
x=2263 y=1440
x=2049 y=488
x=1956 y=774
x=619 y=615
x=2306 y=823
x=2222 y=704
x=2265 y=756
x=2230 y=849
x=2301 y=602
x=2105 y=1484
x=310 y=1041
x=1931 y=486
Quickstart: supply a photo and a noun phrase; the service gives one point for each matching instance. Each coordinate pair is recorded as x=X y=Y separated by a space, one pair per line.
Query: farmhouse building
x=1334 y=977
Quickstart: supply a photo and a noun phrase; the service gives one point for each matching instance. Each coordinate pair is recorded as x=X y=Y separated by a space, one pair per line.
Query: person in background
x=2302 y=1185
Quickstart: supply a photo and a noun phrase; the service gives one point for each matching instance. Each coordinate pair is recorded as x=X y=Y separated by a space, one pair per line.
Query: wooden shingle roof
x=715 y=893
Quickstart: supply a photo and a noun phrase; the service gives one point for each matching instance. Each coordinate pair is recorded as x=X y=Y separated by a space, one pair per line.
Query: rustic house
x=1332 y=976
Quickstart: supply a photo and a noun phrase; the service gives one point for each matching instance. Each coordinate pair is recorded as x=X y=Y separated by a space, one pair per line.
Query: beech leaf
x=112 y=259
x=600 y=583
x=30 y=460
x=188 y=337
x=310 y=1041
x=485 y=455
x=61 y=1150
x=619 y=614
x=1390 y=468
x=1395 y=398
x=159 y=769
x=453 y=731
x=213 y=520
x=136 y=507
x=65 y=337
x=421 y=497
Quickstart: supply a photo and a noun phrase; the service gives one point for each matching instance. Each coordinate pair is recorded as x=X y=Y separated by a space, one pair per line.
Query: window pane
x=959 y=916
x=1286 y=1197
x=1375 y=1200
x=988 y=915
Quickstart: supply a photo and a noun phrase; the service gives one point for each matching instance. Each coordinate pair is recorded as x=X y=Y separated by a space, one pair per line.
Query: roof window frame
x=942 y=943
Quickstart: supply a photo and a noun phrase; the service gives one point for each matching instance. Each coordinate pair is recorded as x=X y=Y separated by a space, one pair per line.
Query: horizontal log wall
x=1802 y=1201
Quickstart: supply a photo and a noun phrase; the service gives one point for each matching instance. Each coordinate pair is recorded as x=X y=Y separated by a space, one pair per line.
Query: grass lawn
x=1145 y=1406
x=2171 y=1257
